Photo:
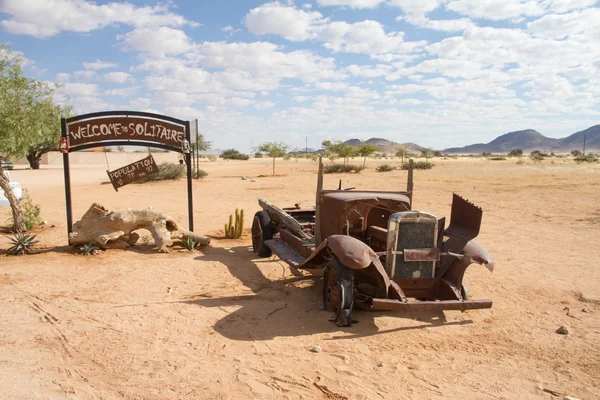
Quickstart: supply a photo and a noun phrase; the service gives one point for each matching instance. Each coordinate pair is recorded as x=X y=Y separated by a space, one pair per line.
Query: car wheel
x=338 y=295
x=262 y=230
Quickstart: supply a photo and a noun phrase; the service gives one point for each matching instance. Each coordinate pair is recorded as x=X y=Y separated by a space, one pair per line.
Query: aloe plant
x=89 y=249
x=22 y=243
x=189 y=244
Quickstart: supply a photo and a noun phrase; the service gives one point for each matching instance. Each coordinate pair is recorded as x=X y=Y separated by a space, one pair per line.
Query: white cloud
x=117 y=77
x=416 y=7
x=289 y=22
x=447 y=25
x=559 y=26
x=157 y=41
x=351 y=3
x=78 y=89
x=367 y=37
x=96 y=65
x=44 y=18
x=85 y=74
x=140 y=103
x=62 y=77
x=124 y=92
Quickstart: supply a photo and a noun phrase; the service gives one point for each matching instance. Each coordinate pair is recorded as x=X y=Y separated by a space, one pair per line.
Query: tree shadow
x=290 y=306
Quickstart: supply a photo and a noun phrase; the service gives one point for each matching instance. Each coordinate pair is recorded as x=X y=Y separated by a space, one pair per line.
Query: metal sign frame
x=142 y=138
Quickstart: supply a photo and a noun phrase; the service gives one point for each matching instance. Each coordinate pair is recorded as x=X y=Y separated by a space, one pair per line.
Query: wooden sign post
x=126 y=128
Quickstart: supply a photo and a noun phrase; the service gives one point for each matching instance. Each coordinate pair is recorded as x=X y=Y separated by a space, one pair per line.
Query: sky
x=440 y=73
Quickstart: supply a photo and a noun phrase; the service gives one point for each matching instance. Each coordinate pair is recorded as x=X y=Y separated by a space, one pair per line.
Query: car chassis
x=376 y=251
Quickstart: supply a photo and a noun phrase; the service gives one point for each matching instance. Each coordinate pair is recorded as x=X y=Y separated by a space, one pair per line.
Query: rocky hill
x=530 y=139
x=386 y=146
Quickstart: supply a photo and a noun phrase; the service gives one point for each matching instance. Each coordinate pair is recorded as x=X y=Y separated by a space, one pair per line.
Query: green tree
x=29 y=121
x=366 y=150
x=274 y=150
x=427 y=153
x=402 y=152
x=344 y=150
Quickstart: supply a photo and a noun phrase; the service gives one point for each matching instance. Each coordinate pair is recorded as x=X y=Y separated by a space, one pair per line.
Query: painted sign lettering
x=132 y=172
x=125 y=128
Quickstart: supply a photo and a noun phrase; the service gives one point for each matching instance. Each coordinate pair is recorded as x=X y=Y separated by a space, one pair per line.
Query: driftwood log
x=115 y=229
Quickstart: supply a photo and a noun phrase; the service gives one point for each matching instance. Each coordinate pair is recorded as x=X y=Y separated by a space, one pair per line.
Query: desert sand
x=221 y=323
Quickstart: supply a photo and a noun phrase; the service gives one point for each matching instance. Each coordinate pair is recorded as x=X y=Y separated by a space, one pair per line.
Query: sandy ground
x=223 y=324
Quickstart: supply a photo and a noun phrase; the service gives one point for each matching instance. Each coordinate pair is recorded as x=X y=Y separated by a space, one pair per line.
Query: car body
x=5 y=163
x=376 y=251
x=16 y=188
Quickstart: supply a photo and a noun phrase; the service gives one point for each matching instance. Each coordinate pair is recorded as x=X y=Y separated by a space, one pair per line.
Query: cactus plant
x=234 y=230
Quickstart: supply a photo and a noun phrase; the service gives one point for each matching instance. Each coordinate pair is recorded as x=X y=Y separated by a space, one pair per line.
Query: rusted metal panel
x=112 y=128
x=285 y=252
x=421 y=254
x=132 y=172
x=417 y=306
x=465 y=219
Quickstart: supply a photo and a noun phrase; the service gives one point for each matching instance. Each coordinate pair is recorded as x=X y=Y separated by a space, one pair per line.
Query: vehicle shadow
x=289 y=306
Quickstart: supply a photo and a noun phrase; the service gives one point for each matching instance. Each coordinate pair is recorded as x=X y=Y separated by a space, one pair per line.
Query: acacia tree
x=342 y=149
x=274 y=150
x=29 y=121
x=366 y=150
x=402 y=151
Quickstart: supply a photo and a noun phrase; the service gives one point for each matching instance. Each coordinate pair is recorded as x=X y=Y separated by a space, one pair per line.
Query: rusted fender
x=478 y=254
x=351 y=252
x=354 y=254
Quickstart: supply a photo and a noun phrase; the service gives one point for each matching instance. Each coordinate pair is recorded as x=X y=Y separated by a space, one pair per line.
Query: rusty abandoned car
x=376 y=251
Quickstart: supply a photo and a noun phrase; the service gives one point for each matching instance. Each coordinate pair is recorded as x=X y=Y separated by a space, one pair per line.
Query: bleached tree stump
x=115 y=229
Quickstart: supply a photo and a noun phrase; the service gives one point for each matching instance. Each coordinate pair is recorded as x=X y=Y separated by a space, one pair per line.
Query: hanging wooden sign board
x=132 y=172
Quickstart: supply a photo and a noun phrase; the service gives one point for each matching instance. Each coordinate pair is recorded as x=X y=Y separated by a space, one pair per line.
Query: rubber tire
x=346 y=286
x=464 y=292
x=263 y=221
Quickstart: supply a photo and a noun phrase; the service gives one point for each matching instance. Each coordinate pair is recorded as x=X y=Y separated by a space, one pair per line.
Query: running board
x=285 y=252
x=395 y=305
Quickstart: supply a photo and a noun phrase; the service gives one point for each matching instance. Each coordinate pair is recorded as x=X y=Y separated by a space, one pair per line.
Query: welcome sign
x=125 y=129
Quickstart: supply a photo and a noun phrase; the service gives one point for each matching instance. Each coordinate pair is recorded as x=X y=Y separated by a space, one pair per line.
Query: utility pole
x=306 y=146
x=584 y=138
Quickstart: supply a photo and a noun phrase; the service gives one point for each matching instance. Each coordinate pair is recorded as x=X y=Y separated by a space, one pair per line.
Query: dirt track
x=222 y=324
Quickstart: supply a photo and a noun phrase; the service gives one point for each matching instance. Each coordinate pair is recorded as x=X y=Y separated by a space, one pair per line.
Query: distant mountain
x=530 y=139
x=575 y=141
x=386 y=146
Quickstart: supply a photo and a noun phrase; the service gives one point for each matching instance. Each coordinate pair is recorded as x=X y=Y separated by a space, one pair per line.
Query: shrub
x=31 y=212
x=166 y=171
x=341 y=168
x=497 y=158
x=516 y=153
x=418 y=165
x=21 y=244
x=233 y=154
x=587 y=158
x=89 y=249
x=199 y=174
x=258 y=154
x=212 y=157
x=575 y=153
x=189 y=244
x=287 y=157
x=486 y=154
x=385 y=168
x=520 y=162
x=537 y=155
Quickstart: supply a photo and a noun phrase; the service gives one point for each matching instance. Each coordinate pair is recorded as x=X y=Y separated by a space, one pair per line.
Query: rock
x=316 y=349
x=589 y=298
x=44 y=223
x=346 y=361
x=253 y=180
x=563 y=330
x=570 y=398
x=586 y=310
x=381 y=364
x=244 y=178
